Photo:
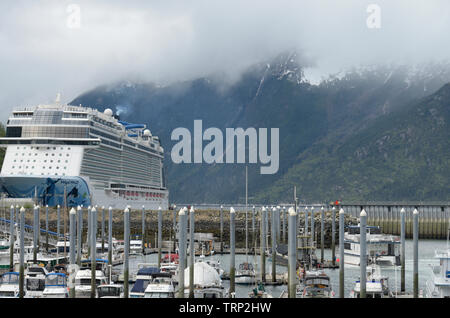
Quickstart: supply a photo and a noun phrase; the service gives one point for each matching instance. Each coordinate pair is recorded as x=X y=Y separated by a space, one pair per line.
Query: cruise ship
x=74 y=155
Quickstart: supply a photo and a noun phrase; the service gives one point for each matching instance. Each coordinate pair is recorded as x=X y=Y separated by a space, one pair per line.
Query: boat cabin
x=9 y=285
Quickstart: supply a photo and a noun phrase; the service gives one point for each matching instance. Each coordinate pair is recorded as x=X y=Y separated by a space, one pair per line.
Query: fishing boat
x=314 y=284
x=245 y=274
x=9 y=285
x=207 y=282
x=110 y=291
x=143 y=277
x=55 y=286
x=162 y=285
x=384 y=249
x=35 y=281
x=377 y=285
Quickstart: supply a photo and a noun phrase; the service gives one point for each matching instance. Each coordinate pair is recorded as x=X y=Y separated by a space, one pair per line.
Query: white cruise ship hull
x=62 y=154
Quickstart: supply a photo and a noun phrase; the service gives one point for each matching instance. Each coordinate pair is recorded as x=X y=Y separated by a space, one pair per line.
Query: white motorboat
x=83 y=282
x=9 y=285
x=376 y=285
x=207 y=282
x=55 y=286
x=383 y=249
x=314 y=284
x=35 y=281
x=438 y=286
x=143 y=277
x=213 y=263
x=245 y=274
x=162 y=285
x=83 y=277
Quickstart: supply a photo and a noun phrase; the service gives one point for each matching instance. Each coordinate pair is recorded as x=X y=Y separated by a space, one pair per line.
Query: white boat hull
x=244 y=279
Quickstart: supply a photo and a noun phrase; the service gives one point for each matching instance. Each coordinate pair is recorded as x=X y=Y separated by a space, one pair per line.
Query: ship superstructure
x=90 y=156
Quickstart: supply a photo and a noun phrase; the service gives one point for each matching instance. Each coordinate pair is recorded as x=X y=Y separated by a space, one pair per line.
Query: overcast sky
x=42 y=51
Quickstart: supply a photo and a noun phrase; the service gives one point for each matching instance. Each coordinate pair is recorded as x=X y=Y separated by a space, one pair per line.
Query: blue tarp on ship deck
x=49 y=190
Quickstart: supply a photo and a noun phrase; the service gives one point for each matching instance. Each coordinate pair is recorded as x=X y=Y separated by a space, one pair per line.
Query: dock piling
x=126 y=252
x=46 y=228
x=274 y=244
x=143 y=229
x=363 y=253
x=159 y=235
x=35 y=233
x=93 y=256
x=263 y=244
x=306 y=221
x=221 y=229
x=192 y=251
x=284 y=225
x=88 y=236
x=232 y=250
x=21 y=257
x=181 y=251
x=416 y=254
x=402 y=251
x=341 y=253
x=58 y=227
x=322 y=234
x=333 y=236
x=79 y=234
x=253 y=225
x=11 y=239
x=292 y=254
x=110 y=236
x=174 y=227
x=103 y=230
x=72 y=231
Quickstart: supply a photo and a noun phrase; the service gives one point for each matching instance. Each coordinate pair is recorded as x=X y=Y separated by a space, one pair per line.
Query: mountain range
x=370 y=133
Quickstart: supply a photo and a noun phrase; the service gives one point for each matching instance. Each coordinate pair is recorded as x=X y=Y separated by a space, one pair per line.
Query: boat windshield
x=371 y=295
x=87 y=281
x=36 y=270
x=246 y=267
x=317 y=282
x=6 y=294
x=9 y=279
x=210 y=295
x=104 y=291
x=158 y=295
x=55 y=280
x=35 y=284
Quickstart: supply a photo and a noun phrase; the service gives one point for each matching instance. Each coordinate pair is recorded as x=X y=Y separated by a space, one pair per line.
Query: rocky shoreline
x=206 y=221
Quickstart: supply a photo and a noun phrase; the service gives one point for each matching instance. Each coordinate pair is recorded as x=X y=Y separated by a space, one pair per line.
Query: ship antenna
x=58 y=98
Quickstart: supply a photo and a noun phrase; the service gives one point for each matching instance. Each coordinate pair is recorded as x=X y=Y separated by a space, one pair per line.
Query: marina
x=153 y=272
